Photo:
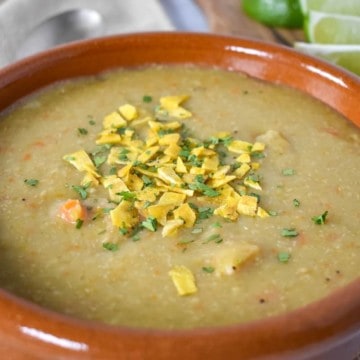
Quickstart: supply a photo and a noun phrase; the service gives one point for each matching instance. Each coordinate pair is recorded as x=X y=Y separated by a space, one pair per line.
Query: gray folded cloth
x=30 y=26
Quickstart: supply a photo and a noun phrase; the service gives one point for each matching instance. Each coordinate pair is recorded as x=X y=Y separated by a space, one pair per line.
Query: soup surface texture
x=300 y=243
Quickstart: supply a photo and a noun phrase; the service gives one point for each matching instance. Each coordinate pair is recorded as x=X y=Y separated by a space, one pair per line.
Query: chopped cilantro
x=296 y=202
x=91 y=120
x=101 y=149
x=185 y=241
x=211 y=141
x=235 y=165
x=163 y=132
x=79 y=223
x=123 y=231
x=127 y=195
x=31 y=182
x=99 y=160
x=147 y=181
x=320 y=219
x=253 y=177
x=147 y=203
x=216 y=225
x=134 y=234
x=288 y=172
x=227 y=140
x=113 y=170
x=150 y=223
x=81 y=190
x=123 y=154
x=199 y=185
x=147 y=99
x=214 y=237
x=184 y=153
x=82 y=131
x=204 y=212
x=110 y=246
x=208 y=269
x=283 y=257
x=273 y=213
x=258 y=155
x=197 y=230
x=289 y=232
x=194 y=160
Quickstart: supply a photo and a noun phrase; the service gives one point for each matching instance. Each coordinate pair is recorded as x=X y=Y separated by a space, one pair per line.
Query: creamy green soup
x=303 y=246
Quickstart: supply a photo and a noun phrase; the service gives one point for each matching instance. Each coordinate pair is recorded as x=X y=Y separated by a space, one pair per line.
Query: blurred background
x=317 y=27
x=29 y=26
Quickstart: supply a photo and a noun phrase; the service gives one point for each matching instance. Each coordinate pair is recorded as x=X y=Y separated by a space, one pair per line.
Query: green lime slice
x=347 y=56
x=323 y=28
x=275 y=13
x=344 y=7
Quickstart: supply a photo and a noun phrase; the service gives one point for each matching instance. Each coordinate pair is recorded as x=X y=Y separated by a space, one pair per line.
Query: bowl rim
x=336 y=316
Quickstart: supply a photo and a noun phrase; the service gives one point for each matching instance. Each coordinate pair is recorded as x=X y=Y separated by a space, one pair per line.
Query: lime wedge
x=275 y=13
x=345 y=7
x=347 y=56
x=323 y=28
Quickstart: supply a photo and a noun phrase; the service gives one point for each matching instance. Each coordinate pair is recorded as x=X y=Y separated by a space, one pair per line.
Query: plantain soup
x=177 y=197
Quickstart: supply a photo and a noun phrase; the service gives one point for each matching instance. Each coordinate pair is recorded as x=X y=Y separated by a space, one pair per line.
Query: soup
x=101 y=220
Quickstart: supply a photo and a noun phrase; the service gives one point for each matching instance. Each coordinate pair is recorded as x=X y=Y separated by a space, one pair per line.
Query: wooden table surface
x=227 y=17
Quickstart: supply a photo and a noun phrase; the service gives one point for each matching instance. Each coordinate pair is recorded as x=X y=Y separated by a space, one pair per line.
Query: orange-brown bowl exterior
x=327 y=329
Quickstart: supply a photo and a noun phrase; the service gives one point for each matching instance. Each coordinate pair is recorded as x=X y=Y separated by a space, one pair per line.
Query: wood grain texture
x=227 y=17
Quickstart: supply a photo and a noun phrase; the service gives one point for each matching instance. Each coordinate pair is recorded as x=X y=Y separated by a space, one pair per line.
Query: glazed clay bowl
x=327 y=329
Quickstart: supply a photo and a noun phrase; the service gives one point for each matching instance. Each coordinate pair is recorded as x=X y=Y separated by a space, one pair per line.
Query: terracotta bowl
x=327 y=329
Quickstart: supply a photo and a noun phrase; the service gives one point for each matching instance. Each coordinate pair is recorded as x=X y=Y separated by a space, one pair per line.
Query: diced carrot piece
x=72 y=210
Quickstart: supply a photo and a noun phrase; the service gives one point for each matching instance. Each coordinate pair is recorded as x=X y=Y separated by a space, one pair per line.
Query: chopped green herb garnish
x=273 y=213
x=320 y=219
x=227 y=140
x=101 y=149
x=197 y=230
x=110 y=246
x=205 y=212
x=199 y=185
x=163 y=132
x=123 y=231
x=79 y=223
x=123 y=154
x=184 y=153
x=283 y=257
x=91 y=120
x=257 y=155
x=296 y=202
x=99 y=160
x=127 y=195
x=147 y=98
x=208 y=269
x=185 y=241
x=81 y=190
x=82 y=131
x=216 y=225
x=147 y=203
x=113 y=170
x=288 y=172
x=147 y=181
x=150 y=223
x=214 y=237
x=31 y=182
x=289 y=232
x=194 y=160
x=253 y=177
